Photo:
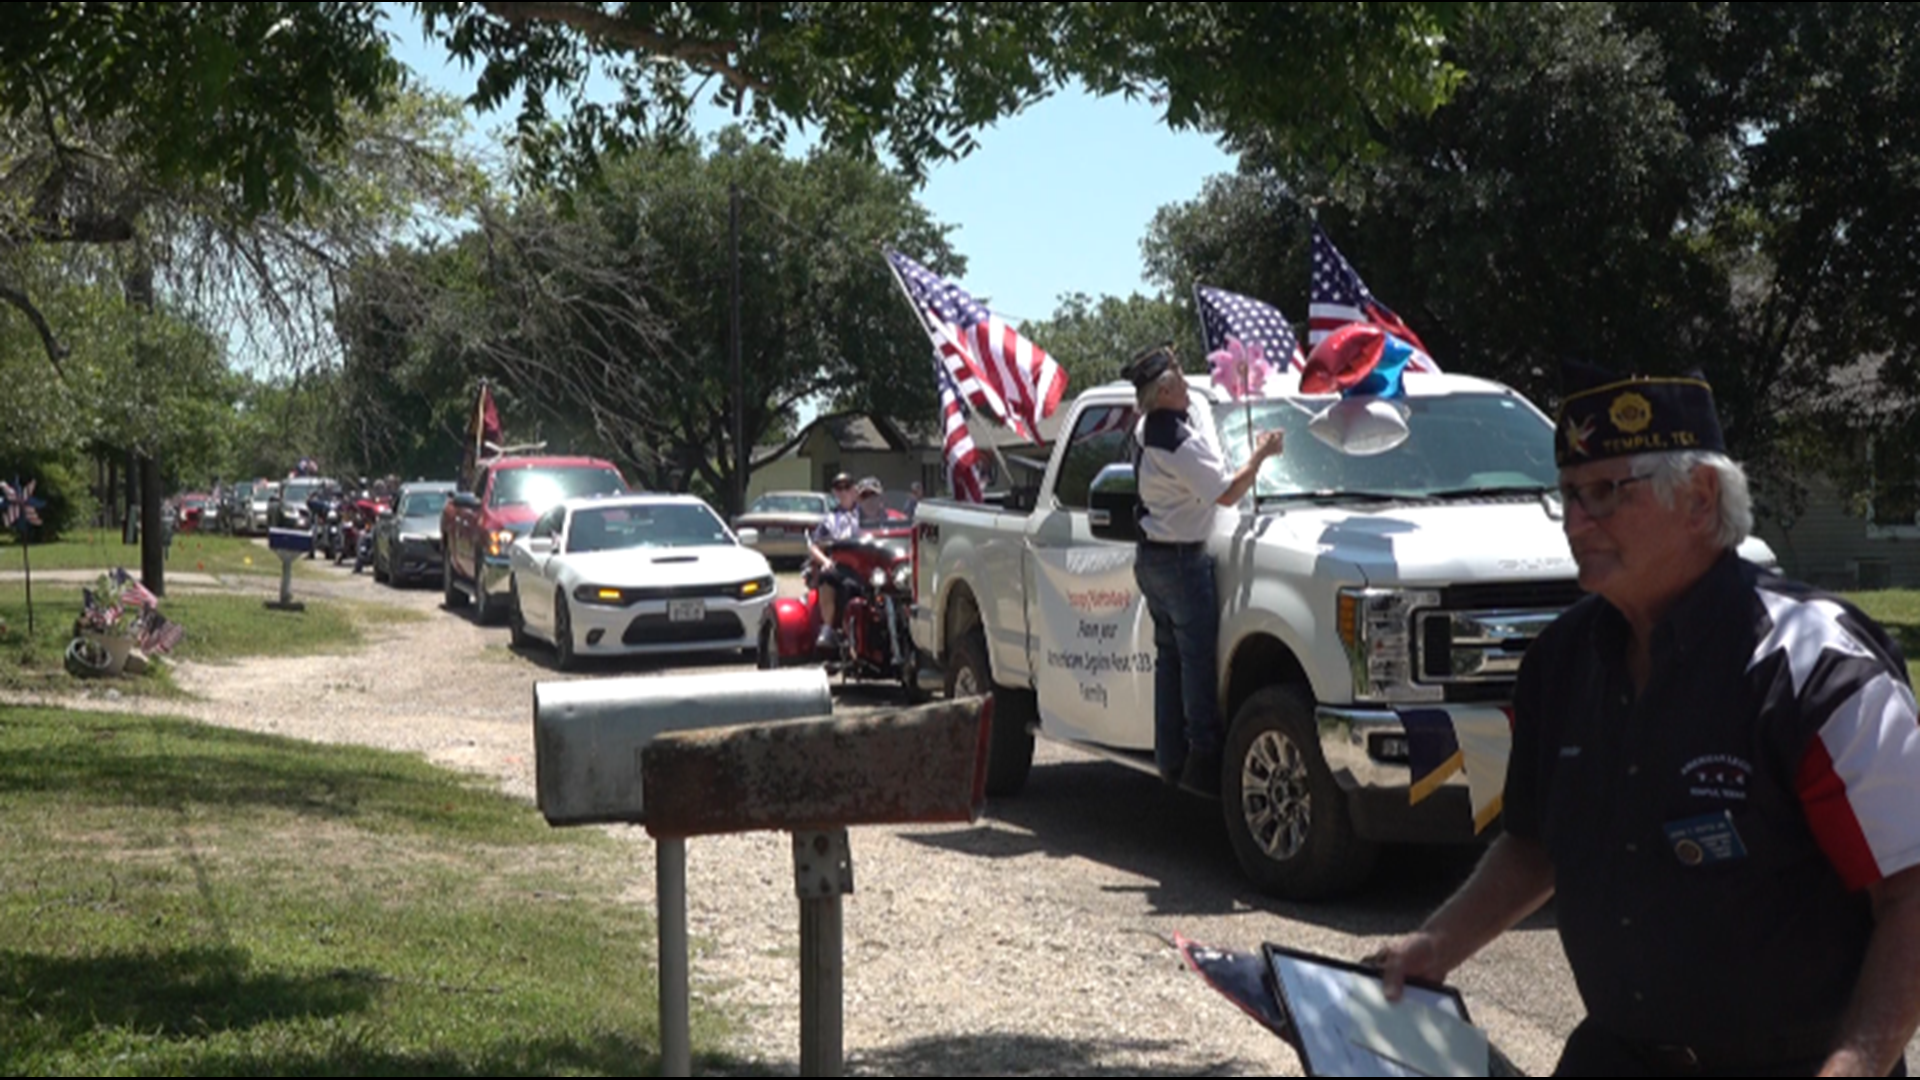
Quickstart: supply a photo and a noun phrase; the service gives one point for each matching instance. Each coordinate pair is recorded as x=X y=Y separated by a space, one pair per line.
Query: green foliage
x=228 y=95
x=601 y=313
x=1323 y=80
x=1653 y=187
x=1094 y=339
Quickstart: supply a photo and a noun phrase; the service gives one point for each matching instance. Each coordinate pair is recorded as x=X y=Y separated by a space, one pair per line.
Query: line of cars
x=567 y=554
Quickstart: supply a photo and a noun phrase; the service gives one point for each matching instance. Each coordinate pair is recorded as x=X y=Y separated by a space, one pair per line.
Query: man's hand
x=1415 y=956
x=1269 y=445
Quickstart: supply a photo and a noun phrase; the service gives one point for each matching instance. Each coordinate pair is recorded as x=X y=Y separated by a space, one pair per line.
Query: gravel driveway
x=1032 y=942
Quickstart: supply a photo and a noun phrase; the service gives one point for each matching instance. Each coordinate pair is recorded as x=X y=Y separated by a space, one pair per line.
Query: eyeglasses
x=1599 y=498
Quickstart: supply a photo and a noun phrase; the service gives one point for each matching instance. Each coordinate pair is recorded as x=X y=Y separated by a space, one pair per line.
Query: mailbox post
x=289 y=544
x=710 y=754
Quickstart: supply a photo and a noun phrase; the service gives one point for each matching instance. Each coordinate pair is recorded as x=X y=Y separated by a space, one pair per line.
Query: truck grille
x=1472 y=644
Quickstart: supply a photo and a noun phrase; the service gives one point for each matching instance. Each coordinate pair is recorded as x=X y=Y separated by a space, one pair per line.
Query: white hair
x=1147 y=397
x=1671 y=472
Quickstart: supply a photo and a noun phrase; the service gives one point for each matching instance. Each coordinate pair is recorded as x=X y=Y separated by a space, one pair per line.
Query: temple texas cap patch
x=1604 y=415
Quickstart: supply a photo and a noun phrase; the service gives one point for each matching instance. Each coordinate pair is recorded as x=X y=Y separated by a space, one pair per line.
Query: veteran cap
x=1148 y=364
x=1606 y=415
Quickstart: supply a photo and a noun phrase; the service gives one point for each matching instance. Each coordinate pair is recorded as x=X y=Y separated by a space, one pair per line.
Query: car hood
x=656 y=566
x=1512 y=539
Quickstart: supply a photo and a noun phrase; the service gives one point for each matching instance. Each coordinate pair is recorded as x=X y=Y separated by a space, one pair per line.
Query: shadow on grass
x=103 y=760
x=184 y=993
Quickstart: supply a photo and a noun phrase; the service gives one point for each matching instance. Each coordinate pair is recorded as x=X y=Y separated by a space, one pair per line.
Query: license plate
x=686 y=610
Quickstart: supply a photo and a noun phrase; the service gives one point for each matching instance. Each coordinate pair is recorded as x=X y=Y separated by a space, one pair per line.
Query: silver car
x=406 y=539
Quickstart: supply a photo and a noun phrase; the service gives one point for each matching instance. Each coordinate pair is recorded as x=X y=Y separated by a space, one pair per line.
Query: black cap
x=844 y=479
x=1606 y=415
x=1149 y=364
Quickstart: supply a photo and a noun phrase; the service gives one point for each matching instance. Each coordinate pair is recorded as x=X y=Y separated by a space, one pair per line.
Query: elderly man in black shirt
x=1715 y=773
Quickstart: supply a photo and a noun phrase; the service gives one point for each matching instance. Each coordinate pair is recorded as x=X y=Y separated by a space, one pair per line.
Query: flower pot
x=95 y=655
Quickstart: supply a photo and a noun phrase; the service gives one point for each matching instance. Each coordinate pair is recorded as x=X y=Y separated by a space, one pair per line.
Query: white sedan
x=622 y=575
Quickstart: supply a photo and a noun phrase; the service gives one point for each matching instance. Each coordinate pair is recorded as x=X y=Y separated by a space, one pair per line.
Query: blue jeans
x=1181 y=596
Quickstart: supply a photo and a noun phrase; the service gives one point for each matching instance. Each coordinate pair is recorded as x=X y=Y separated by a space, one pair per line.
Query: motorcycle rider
x=833 y=581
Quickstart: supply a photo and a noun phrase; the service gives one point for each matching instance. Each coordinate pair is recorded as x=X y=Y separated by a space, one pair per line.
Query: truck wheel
x=486 y=611
x=1010 y=744
x=454 y=597
x=1285 y=815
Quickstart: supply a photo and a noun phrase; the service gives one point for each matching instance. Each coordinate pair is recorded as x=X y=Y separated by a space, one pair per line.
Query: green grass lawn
x=1899 y=611
x=178 y=899
x=219 y=626
x=101 y=549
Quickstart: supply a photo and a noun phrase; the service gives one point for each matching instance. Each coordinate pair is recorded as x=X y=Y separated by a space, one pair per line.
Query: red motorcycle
x=358 y=540
x=876 y=640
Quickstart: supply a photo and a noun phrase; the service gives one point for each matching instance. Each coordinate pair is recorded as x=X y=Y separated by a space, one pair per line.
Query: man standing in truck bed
x=1715 y=771
x=1183 y=480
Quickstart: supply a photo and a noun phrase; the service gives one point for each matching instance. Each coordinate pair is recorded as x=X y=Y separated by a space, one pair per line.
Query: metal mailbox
x=589 y=734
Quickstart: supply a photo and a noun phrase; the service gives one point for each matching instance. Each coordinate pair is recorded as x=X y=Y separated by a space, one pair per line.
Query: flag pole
x=966 y=411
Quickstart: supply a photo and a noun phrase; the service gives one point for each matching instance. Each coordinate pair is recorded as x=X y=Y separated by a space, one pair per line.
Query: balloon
x=1360 y=426
x=1239 y=369
x=1343 y=358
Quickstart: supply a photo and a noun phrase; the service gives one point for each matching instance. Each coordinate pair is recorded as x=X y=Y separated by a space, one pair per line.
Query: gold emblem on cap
x=1631 y=413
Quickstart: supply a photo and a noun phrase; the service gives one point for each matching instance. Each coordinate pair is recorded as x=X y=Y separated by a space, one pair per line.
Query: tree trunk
x=153 y=532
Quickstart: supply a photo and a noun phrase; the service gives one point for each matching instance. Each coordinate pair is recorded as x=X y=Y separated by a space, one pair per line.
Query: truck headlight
x=500 y=541
x=1376 y=629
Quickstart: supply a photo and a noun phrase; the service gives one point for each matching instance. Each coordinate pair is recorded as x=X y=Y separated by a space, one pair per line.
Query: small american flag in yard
x=132 y=593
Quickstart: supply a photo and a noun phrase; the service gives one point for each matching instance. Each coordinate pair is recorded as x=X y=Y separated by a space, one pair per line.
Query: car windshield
x=789 y=504
x=615 y=528
x=300 y=490
x=545 y=486
x=423 y=504
x=1458 y=444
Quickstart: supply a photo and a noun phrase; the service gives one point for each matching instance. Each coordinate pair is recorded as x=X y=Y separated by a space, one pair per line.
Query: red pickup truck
x=508 y=494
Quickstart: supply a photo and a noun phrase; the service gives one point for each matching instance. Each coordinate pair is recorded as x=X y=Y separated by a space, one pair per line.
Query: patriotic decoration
x=997 y=372
x=963 y=476
x=1474 y=741
x=1225 y=316
x=18 y=508
x=1363 y=363
x=132 y=593
x=1339 y=298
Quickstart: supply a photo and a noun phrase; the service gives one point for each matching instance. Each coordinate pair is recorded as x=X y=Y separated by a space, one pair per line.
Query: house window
x=1893 y=489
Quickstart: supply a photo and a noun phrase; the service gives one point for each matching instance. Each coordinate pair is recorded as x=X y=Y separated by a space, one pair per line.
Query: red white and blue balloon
x=1364 y=364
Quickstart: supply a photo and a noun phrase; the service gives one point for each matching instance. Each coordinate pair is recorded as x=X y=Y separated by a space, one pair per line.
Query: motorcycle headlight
x=1376 y=628
x=333 y=516
x=877 y=579
x=903 y=577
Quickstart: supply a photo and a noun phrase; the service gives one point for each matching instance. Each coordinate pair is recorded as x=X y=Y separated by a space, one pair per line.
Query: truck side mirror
x=467 y=500
x=1113 y=502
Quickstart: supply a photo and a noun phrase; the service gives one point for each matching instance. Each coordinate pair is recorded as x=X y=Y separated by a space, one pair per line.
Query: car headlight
x=1376 y=629
x=758 y=587
x=599 y=594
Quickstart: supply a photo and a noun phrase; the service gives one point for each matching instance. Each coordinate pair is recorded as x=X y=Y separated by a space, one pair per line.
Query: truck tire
x=486 y=610
x=1286 y=816
x=1009 y=742
x=454 y=597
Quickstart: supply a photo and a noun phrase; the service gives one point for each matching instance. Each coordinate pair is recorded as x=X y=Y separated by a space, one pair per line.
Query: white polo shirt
x=1181 y=477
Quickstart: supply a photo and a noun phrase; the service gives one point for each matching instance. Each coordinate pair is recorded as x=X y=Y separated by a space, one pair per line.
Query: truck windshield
x=543 y=487
x=1458 y=444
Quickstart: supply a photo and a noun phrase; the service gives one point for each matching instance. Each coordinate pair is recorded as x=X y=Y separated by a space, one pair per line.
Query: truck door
x=1089 y=631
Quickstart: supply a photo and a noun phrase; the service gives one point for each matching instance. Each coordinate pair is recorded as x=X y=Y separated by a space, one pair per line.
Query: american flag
x=998 y=372
x=963 y=479
x=158 y=634
x=132 y=593
x=1110 y=418
x=1339 y=297
x=1226 y=315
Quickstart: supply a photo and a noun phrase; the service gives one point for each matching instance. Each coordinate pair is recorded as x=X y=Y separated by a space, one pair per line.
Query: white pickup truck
x=1374 y=612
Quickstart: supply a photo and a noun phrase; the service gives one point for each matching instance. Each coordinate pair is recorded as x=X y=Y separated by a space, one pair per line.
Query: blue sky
x=1054 y=201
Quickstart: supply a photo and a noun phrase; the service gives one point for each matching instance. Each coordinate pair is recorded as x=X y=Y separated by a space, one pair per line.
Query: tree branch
x=708 y=55
x=56 y=352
